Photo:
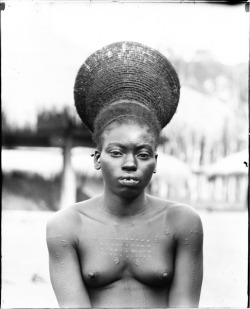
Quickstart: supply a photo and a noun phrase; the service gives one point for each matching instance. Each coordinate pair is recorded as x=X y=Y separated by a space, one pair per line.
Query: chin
x=130 y=192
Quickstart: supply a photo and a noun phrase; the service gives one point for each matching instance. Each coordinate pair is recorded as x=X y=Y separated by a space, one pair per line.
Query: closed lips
x=129 y=178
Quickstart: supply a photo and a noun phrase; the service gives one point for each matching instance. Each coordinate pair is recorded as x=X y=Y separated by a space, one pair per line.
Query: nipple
x=92 y=274
x=163 y=275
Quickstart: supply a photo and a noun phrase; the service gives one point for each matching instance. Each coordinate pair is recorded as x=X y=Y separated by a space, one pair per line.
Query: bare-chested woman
x=126 y=248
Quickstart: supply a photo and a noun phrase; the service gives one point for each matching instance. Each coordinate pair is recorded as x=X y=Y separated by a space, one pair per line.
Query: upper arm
x=188 y=267
x=65 y=271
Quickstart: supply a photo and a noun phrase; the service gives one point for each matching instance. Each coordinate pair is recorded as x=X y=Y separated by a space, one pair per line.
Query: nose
x=129 y=163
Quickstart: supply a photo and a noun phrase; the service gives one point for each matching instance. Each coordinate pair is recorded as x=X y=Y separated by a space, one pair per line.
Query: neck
x=124 y=207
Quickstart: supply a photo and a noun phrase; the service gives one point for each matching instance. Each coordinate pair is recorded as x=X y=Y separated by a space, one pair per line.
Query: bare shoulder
x=185 y=220
x=62 y=225
x=183 y=212
x=182 y=217
x=66 y=222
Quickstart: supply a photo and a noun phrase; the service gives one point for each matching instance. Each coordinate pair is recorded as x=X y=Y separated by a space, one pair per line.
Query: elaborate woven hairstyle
x=126 y=79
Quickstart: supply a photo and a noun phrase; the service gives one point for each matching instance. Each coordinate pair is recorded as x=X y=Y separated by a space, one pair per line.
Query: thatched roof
x=46 y=162
x=52 y=128
x=234 y=164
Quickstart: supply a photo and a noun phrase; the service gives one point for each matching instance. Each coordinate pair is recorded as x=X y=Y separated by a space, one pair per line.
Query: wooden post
x=68 y=181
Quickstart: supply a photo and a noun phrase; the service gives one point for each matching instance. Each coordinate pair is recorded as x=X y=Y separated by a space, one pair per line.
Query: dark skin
x=126 y=248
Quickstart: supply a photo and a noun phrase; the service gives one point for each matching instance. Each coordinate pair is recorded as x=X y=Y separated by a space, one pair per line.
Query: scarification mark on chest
x=156 y=239
x=133 y=249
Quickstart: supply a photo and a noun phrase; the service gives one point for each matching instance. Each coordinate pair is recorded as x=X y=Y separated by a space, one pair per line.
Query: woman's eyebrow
x=144 y=145
x=116 y=144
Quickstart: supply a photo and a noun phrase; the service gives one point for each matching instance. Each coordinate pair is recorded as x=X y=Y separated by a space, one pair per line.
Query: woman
x=126 y=248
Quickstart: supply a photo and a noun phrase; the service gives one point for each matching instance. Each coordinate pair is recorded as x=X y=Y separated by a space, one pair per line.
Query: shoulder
x=62 y=219
x=186 y=222
x=63 y=228
x=182 y=217
x=177 y=211
x=183 y=213
x=66 y=222
x=63 y=225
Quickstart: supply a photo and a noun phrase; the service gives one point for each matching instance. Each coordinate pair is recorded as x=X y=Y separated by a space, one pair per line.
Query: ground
x=25 y=271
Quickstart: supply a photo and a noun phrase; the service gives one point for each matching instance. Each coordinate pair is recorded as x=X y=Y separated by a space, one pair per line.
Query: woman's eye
x=115 y=153
x=143 y=155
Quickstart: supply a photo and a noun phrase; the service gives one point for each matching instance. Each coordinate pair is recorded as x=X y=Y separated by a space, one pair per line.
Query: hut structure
x=54 y=129
x=225 y=182
x=203 y=131
x=170 y=181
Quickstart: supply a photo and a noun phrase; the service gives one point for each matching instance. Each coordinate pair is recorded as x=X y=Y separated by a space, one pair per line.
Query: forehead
x=130 y=133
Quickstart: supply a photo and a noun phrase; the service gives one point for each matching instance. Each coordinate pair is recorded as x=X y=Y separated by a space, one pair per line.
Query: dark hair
x=126 y=71
x=125 y=112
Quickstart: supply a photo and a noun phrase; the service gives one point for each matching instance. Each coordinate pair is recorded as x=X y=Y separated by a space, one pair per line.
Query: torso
x=126 y=262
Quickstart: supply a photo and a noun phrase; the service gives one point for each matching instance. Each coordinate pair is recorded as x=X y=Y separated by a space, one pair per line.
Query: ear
x=156 y=156
x=97 y=157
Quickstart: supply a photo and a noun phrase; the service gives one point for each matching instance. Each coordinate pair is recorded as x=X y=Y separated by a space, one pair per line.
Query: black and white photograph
x=125 y=135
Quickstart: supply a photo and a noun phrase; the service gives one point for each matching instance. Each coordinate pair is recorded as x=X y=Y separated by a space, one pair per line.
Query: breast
x=142 y=259
x=144 y=252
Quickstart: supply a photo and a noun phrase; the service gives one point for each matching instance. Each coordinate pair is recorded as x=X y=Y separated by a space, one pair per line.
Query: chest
x=111 y=253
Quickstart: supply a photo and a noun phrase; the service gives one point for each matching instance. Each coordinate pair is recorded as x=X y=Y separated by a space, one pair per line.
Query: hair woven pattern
x=126 y=71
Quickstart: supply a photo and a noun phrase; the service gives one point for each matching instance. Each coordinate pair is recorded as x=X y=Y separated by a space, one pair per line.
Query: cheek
x=148 y=169
x=108 y=168
x=151 y=169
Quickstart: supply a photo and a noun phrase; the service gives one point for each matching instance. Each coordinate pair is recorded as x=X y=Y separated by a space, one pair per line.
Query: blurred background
x=46 y=151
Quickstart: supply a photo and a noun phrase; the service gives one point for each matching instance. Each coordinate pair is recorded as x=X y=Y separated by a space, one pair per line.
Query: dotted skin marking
x=194 y=233
x=156 y=239
x=134 y=249
x=64 y=243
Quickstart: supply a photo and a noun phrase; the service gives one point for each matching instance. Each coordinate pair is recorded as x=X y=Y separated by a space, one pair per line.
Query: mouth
x=129 y=180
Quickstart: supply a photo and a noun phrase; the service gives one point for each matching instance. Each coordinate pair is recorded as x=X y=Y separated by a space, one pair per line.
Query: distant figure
x=126 y=248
